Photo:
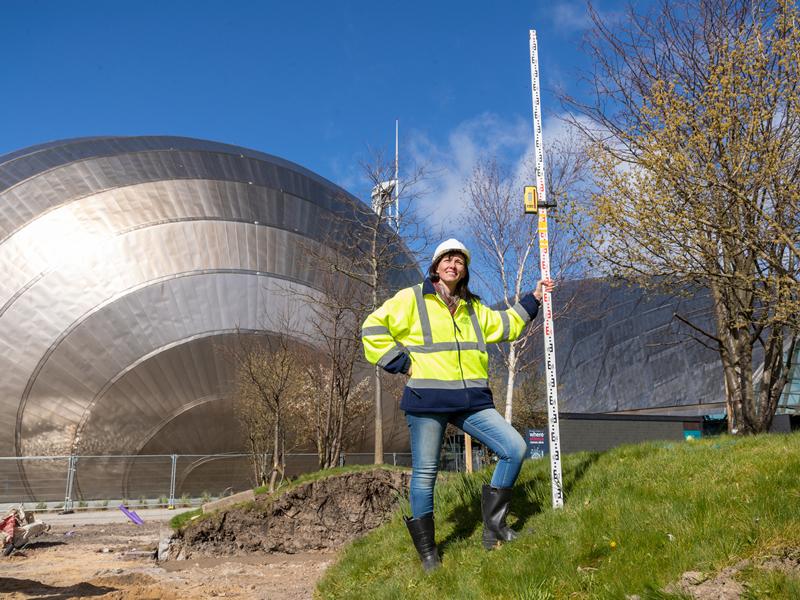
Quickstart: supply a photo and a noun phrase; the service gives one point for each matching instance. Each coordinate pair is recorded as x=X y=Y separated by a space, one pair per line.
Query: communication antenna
x=535 y=199
x=384 y=193
x=396 y=175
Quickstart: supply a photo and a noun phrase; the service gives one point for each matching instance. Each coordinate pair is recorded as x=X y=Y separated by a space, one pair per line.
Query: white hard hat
x=451 y=245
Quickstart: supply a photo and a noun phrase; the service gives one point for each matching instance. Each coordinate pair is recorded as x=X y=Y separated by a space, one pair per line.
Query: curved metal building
x=125 y=263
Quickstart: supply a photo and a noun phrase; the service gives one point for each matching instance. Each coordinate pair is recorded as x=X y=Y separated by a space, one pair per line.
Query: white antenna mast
x=396 y=175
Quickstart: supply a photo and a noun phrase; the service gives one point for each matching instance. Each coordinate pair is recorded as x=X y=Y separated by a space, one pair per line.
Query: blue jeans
x=486 y=426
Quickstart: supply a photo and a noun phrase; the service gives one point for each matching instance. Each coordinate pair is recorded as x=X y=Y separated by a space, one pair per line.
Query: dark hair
x=462 y=287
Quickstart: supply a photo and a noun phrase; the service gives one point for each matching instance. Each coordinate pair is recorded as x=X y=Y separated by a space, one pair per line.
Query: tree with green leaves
x=693 y=120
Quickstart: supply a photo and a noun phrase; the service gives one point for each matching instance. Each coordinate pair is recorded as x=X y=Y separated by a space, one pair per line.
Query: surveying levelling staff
x=436 y=333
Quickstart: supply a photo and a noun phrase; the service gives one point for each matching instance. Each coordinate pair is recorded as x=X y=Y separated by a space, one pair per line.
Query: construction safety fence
x=98 y=482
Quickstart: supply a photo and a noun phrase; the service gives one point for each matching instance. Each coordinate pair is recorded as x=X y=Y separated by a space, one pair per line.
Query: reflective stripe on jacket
x=448 y=352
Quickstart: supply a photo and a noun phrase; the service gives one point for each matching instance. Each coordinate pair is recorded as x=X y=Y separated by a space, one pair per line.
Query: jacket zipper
x=456 y=330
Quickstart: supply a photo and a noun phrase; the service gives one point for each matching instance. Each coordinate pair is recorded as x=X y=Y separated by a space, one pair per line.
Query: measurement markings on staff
x=536 y=201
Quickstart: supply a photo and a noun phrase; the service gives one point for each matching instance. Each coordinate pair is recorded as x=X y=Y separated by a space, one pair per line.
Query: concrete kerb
x=92 y=517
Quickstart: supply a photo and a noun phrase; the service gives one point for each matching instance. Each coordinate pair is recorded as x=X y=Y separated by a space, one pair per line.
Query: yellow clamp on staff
x=532 y=205
x=531 y=199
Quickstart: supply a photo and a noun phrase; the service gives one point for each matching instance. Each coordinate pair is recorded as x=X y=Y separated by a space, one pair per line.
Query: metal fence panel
x=213 y=475
x=46 y=478
x=149 y=480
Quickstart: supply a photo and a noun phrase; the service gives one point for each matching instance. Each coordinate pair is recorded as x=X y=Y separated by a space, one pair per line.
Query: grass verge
x=634 y=520
x=317 y=475
x=181 y=519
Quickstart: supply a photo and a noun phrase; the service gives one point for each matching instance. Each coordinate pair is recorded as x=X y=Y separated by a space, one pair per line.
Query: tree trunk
x=775 y=376
x=736 y=355
x=343 y=396
x=325 y=450
x=258 y=474
x=275 y=455
x=511 y=377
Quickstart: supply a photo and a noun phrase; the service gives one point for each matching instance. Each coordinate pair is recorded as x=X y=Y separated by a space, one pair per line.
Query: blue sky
x=314 y=82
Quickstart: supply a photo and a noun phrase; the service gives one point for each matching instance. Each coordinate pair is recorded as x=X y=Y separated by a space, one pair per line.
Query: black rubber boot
x=494 y=507
x=422 y=533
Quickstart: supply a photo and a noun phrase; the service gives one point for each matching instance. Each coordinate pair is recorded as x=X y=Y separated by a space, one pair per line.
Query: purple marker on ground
x=131 y=515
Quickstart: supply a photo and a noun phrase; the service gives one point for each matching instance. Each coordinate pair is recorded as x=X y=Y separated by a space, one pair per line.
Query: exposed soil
x=726 y=585
x=274 y=551
x=322 y=515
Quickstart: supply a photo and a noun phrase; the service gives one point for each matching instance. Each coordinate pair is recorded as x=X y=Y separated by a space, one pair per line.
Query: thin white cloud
x=554 y=129
x=570 y=16
x=347 y=176
x=453 y=161
x=450 y=160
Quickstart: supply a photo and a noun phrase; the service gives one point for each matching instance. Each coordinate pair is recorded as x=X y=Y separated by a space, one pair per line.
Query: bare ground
x=116 y=562
x=725 y=585
x=273 y=550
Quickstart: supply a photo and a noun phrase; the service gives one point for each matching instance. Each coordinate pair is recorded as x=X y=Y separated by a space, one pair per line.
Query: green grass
x=634 y=520
x=317 y=475
x=181 y=519
x=770 y=584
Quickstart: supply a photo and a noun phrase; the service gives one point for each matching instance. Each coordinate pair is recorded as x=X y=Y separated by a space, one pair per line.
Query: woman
x=437 y=332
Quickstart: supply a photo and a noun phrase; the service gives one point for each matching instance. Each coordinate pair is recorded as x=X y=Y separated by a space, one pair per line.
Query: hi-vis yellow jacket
x=447 y=352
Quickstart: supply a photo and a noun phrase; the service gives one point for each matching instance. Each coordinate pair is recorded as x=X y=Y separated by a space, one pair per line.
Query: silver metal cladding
x=126 y=262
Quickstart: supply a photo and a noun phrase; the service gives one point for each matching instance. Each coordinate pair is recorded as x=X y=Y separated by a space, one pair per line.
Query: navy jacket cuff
x=401 y=364
x=530 y=304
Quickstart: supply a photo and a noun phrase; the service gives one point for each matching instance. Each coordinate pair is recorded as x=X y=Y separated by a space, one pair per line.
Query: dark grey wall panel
x=619 y=349
x=600 y=435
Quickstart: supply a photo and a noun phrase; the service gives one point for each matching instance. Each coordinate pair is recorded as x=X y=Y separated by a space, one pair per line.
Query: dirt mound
x=320 y=515
x=725 y=585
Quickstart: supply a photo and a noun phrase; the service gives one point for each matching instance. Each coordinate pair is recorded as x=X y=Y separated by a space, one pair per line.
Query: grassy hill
x=635 y=519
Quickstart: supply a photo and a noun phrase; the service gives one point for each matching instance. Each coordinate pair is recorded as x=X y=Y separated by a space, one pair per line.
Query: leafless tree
x=507 y=242
x=268 y=393
x=334 y=386
x=374 y=247
x=530 y=395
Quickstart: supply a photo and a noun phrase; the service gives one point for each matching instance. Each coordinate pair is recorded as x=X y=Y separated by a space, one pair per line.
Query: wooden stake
x=468 y=452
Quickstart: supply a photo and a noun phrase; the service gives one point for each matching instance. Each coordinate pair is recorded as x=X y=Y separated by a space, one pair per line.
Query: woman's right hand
x=544 y=284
